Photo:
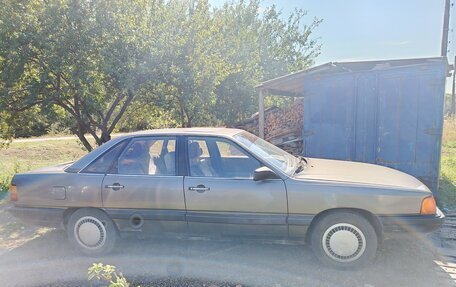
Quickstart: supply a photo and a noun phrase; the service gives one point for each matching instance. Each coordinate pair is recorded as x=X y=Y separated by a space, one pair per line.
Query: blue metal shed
x=384 y=112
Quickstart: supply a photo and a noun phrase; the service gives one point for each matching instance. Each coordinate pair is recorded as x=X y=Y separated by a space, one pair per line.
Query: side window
x=148 y=156
x=171 y=146
x=234 y=162
x=169 y=156
x=221 y=159
x=228 y=150
x=105 y=162
x=200 y=162
x=195 y=144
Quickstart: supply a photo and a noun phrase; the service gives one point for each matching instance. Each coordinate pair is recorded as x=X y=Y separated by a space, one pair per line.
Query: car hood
x=360 y=173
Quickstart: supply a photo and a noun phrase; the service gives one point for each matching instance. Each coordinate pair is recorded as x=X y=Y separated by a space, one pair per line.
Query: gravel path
x=49 y=259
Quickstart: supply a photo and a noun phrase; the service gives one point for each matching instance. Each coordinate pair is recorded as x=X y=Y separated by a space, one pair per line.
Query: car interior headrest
x=194 y=150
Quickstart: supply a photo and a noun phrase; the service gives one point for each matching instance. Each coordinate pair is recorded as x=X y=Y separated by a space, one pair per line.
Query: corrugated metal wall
x=388 y=116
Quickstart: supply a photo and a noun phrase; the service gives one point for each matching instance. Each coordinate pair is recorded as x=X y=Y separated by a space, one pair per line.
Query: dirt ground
x=39 y=257
x=48 y=259
x=14 y=233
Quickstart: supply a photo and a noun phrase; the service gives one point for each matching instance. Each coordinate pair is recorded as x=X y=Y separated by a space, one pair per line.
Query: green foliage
x=4 y=184
x=108 y=274
x=146 y=116
x=5 y=179
x=86 y=57
x=91 y=67
x=219 y=55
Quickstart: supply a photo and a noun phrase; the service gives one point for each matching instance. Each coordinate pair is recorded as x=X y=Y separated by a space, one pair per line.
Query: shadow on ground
x=49 y=259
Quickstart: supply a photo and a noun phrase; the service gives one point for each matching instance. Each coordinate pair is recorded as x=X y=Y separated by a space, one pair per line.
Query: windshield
x=275 y=156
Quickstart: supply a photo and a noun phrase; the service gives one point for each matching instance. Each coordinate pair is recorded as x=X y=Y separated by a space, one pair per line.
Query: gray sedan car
x=223 y=182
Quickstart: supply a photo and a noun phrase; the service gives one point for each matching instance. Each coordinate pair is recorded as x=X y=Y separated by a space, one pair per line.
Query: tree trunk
x=189 y=121
x=105 y=135
x=84 y=141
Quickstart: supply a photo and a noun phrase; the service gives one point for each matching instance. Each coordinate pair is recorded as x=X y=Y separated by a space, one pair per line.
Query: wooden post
x=261 y=113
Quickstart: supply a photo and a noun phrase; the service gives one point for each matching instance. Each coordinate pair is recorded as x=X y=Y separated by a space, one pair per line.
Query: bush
x=5 y=179
x=108 y=274
x=4 y=184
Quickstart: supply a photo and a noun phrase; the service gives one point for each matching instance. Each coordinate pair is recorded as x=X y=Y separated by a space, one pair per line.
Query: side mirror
x=263 y=173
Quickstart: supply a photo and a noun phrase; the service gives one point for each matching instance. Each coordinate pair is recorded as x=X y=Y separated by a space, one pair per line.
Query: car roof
x=200 y=131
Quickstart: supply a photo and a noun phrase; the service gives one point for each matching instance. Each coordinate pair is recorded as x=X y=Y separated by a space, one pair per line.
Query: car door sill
x=237 y=218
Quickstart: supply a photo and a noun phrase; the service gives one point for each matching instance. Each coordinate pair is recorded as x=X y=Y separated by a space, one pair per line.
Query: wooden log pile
x=282 y=127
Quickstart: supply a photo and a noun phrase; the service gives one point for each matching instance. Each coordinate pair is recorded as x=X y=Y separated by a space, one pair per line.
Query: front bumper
x=412 y=223
x=39 y=216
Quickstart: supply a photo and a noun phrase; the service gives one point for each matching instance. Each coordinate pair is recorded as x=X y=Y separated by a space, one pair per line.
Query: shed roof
x=293 y=84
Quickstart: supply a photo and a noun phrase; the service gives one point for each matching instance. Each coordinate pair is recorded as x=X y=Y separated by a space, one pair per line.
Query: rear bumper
x=412 y=223
x=49 y=217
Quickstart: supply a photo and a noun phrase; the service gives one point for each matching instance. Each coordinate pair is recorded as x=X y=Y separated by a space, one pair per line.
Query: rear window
x=105 y=161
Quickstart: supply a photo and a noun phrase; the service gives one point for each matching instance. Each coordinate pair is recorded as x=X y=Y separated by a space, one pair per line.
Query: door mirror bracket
x=264 y=173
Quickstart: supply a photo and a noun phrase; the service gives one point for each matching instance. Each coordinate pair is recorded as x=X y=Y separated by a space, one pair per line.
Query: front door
x=142 y=191
x=221 y=196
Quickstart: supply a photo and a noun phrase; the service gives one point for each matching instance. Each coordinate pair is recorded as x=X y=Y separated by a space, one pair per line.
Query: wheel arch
x=372 y=218
x=67 y=214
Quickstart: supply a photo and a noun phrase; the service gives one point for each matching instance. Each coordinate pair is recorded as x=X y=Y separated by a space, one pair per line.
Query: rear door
x=221 y=196
x=142 y=191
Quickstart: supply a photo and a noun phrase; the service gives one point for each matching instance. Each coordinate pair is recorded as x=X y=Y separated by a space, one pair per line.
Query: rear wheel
x=344 y=239
x=91 y=231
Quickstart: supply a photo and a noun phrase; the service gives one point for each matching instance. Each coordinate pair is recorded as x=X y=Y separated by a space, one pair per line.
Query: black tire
x=344 y=240
x=91 y=231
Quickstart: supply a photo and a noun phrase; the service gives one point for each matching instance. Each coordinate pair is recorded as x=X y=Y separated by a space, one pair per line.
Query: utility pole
x=446 y=24
x=444 y=52
x=453 y=103
x=191 y=7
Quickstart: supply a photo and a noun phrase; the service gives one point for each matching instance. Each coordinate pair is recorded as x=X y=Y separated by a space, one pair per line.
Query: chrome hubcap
x=344 y=242
x=90 y=232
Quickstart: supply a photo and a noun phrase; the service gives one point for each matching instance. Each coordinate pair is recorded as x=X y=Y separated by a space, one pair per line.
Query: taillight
x=13 y=192
x=428 y=206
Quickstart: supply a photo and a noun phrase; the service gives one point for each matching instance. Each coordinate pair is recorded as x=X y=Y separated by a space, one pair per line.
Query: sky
x=355 y=30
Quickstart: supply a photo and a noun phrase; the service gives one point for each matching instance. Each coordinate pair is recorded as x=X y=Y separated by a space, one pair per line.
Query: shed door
x=409 y=123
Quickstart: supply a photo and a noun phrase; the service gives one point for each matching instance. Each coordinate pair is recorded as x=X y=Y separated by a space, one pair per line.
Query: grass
x=447 y=190
x=24 y=156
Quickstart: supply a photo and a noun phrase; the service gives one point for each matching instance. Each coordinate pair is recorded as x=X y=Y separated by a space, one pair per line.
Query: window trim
x=181 y=156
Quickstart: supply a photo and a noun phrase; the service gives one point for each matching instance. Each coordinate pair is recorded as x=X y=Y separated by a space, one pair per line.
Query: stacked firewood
x=282 y=127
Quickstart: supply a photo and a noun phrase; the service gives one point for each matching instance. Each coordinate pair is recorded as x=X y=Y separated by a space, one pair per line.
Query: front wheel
x=91 y=231
x=344 y=240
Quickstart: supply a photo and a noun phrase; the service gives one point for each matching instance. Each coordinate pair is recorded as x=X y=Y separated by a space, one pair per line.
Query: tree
x=191 y=64
x=214 y=57
x=86 y=57
x=172 y=62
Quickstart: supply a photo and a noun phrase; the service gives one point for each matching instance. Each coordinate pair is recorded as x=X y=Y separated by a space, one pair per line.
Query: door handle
x=199 y=188
x=115 y=186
